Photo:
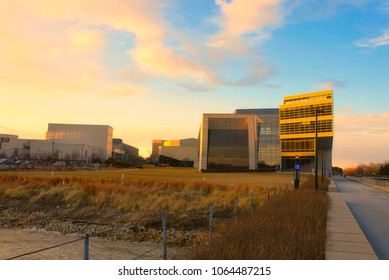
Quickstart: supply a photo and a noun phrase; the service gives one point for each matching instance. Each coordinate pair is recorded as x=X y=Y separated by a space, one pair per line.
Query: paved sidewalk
x=345 y=239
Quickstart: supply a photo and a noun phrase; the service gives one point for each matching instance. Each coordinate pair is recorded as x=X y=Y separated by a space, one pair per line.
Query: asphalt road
x=370 y=208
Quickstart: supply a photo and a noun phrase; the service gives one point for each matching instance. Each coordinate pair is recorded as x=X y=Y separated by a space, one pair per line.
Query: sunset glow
x=150 y=69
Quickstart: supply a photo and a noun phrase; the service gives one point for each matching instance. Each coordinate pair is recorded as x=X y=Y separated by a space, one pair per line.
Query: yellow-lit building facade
x=298 y=115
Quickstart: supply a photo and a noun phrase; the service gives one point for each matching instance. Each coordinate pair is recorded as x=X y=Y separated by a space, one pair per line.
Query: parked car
x=7 y=162
x=60 y=163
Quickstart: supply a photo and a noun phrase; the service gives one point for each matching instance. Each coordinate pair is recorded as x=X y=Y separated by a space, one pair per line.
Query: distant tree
x=373 y=168
x=370 y=169
x=337 y=170
x=384 y=169
x=153 y=159
x=67 y=157
x=75 y=155
x=25 y=155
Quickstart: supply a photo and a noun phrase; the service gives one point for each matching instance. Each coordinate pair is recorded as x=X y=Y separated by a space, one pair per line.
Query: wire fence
x=86 y=248
x=246 y=202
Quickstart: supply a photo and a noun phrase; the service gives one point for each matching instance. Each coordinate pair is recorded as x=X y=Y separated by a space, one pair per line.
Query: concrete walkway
x=345 y=239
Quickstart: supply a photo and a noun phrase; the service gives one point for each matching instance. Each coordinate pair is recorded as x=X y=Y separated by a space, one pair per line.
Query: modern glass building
x=228 y=142
x=300 y=117
x=269 y=151
x=93 y=135
x=269 y=139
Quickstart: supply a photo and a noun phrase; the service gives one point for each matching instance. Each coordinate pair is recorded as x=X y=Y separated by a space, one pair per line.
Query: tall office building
x=228 y=142
x=93 y=135
x=298 y=126
x=269 y=151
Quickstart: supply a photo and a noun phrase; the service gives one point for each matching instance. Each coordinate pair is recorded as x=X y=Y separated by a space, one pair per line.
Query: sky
x=151 y=69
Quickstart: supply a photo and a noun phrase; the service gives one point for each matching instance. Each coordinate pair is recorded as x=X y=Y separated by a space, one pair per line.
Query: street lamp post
x=296 y=172
x=316 y=151
x=323 y=166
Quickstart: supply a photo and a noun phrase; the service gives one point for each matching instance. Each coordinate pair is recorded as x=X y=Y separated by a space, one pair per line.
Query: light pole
x=296 y=172
x=317 y=110
x=322 y=166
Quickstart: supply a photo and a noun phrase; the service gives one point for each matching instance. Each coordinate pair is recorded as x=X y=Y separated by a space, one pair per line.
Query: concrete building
x=46 y=149
x=99 y=136
x=269 y=151
x=301 y=116
x=5 y=138
x=11 y=146
x=229 y=142
x=69 y=142
x=123 y=152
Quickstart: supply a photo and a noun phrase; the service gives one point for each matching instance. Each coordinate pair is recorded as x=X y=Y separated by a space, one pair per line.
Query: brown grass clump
x=290 y=227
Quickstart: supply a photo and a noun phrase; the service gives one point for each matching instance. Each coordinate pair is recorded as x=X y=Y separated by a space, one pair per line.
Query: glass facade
x=269 y=152
x=228 y=144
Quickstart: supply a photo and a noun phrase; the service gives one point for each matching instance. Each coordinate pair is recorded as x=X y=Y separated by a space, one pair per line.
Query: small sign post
x=296 y=176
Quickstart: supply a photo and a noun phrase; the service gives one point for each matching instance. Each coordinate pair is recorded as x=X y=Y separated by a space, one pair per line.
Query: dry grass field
x=184 y=175
x=138 y=194
x=127 y=204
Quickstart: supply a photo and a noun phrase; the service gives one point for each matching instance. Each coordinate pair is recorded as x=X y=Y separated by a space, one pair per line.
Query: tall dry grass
x=289 y=227
x=139 y=197
x=186 y=175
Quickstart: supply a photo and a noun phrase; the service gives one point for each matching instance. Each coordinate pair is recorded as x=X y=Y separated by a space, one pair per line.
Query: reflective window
x=269 y=151
x=228 y=144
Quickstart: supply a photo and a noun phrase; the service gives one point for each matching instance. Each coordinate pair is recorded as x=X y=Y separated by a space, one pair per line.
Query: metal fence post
x=86 y=247
x=164 y=236
x=211 y=225
x=236 y=206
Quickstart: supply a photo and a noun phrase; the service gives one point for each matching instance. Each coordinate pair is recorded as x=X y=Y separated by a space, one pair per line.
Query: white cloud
x=379 y=41
x=331 y=84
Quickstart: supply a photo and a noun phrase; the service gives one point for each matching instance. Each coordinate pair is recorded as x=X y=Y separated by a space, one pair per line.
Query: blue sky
x=150 y=69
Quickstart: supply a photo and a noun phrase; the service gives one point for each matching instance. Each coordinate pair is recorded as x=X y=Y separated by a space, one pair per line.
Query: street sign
x=297 y=167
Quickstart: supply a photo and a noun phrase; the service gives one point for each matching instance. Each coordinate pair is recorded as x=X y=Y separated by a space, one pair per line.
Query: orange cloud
x=159 y=60
x=145 y=20
x=56 y=49
x=362 y=124
x=245 y=17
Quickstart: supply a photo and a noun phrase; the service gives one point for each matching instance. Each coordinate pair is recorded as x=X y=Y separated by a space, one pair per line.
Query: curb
x=381 y=188
x=345 y=239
